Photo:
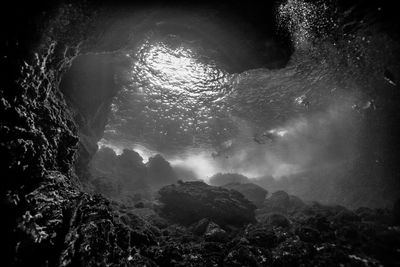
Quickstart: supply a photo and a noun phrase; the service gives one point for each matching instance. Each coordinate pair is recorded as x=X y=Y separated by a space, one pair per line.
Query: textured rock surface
x=214 y=233
x=38 y=136
x=52 y=221
x=189 y=202
x=252 y=192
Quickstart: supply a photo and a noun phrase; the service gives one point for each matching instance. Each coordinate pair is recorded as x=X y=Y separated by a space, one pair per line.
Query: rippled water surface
x=192 y=98
x=176 y=94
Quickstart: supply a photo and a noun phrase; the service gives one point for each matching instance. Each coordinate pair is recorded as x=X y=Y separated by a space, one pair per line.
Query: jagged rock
x=276 y=219
x=150 y=216
x=101 y=233
x=244 y=255
x=252 y=192
x=261 y=236
x=308 y=234
x=131 y=165
x=46 y=221
x=120 y=177
x=189 y=202
x=214 y=233
x=292 y=252
x=160 y=172
x=200 y=227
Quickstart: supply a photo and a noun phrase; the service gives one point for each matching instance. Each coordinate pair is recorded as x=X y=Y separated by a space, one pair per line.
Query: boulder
x=211 y=231
x=252 y=192
x=282 y=202
x=276 y=219
x=308 y=234
x=200 y=227
x=188 y=202
x=214 y=233
x=261 y=236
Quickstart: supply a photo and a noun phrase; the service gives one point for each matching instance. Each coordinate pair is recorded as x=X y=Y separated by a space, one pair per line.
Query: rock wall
x=40 y=193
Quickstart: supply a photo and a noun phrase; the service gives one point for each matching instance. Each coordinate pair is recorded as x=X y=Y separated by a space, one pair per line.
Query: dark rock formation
x=214 y=233
x=261 y=236
x=209 y=230
x=102 y=233
x=125 y=176
x=131 y=170
x=280 y=201
x=276 y=219
x=119 y=176
x=252 y=192
x=64 y=227
x=189 y=202
x=160 y=172
x=38 y=137
x=200 y=227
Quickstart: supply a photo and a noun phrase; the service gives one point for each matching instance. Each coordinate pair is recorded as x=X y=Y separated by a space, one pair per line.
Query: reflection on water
x=175 y=97
x=323 y=119
x=178 y=70
x=180 y=103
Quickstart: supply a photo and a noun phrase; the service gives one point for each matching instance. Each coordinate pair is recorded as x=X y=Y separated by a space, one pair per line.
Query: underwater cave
x=200 y=133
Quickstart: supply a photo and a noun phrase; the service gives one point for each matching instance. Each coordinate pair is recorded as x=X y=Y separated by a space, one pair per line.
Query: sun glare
x=178 y=69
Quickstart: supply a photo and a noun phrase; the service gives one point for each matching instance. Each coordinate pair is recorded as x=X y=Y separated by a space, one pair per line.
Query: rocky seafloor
x=51 y=216
x=194 y=224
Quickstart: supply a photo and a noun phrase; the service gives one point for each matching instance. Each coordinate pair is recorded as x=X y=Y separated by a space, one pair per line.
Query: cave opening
x=162 y=88
x=213 y=90
x=195 y=133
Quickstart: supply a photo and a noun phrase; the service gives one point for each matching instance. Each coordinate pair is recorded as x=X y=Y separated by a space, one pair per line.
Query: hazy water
x=190 y=100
